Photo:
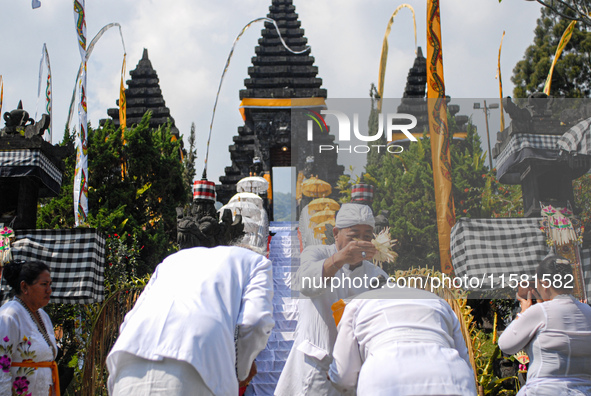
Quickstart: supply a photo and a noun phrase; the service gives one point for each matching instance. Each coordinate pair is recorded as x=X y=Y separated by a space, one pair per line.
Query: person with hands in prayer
x=326 y=275
x=555 y=332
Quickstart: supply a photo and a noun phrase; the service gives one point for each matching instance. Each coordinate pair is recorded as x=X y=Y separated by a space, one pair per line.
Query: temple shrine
x=143 y=94
x=414 y=102
x=278 y=80
x=30 y=168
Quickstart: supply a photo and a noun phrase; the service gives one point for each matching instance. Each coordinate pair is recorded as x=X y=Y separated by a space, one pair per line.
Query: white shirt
x=19 y=333
x=189 y=311
x=401 y=341
x=316 y=330
x=557 y=335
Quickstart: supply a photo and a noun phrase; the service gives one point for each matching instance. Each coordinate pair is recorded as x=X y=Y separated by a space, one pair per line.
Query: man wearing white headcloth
x=326 y=275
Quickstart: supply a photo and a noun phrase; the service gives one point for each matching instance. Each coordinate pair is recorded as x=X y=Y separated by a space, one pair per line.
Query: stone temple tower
x=143 y=94
x=277 y=79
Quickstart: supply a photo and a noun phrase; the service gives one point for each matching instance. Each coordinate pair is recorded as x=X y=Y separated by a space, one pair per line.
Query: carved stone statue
x=19 y=122
x=516 y=113
x=202 y=228
x=382 y=221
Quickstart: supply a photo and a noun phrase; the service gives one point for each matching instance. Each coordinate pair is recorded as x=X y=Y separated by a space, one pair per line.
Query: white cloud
x=189 y=40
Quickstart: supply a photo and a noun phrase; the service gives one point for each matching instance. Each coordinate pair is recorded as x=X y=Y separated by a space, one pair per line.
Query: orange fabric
x=338 y=309
x=122 y=103
x=54 y=373
x=280 y=103
x=267 y=177
x=440 y=136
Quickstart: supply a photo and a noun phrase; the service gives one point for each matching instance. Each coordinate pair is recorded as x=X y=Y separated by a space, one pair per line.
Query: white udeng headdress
x=352 y=214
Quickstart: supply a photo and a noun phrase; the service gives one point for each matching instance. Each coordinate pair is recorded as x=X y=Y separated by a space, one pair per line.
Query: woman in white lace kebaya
x=26 y=332
x=556 y=334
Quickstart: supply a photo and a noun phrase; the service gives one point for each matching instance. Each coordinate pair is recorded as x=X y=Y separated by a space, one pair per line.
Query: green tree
x=405 y=188
x=572 y=72
x=134 y=189
x=145 y=193
x=58 y=212
x=501 y=200
x=282 y=204
x=579 y=9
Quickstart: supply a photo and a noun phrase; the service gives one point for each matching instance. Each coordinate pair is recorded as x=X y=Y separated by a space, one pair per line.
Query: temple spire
x=276 y=72
x=143 y=94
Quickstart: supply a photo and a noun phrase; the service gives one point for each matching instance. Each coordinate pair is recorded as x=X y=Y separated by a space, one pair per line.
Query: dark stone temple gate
x=277 y=77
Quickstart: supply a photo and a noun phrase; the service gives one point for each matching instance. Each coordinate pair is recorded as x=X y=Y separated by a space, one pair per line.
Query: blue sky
x=189 y=40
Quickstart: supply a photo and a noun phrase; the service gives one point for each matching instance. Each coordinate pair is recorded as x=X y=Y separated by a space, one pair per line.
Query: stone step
x=284 y=254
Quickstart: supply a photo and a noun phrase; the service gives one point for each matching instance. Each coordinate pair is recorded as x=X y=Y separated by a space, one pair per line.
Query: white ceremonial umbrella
x=248 y=197
x=252 y=184
x=244 y=208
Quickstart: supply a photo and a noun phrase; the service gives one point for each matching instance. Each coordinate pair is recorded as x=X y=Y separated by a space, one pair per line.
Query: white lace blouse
x=557 y=337
x=20 y=339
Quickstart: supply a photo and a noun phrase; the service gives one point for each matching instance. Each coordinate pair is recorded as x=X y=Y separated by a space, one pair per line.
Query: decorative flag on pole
x=563 y=42
x=123 y=115
x=48 y=90
x=244 y=29
x=440 y=137
x=501 y=85
x=79 y=74
x=384 y=56
x=1 y=93
x=81 y=175
x=122 y=103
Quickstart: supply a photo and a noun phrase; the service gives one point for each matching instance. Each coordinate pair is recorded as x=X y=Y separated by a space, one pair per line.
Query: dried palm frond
x=383 y=245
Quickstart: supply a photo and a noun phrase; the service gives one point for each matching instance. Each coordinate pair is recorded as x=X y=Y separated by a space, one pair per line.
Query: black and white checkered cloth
x=577 y=139
x=22 y=162
x=521 y=141
x=489 y=248
x=75 y=256
x=586 y=263
x=497 y=248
